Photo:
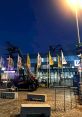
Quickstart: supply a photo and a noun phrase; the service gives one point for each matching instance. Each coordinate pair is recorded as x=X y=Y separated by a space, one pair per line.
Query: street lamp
x=76 y=5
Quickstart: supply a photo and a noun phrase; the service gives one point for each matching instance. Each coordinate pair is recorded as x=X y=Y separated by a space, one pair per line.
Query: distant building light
x=3 y=68
x=54 y=58
x=42 y=59
x=9 y=71
x=79 y=55
x=72 y=66
x=5 y=81
x=45 y=66
x=22 y=67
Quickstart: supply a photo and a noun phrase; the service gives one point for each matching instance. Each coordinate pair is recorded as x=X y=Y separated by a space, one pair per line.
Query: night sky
x=34 y=25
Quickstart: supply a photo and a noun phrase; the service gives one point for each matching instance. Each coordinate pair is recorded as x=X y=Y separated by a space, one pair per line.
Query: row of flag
x=50 y=61
x=61 y=60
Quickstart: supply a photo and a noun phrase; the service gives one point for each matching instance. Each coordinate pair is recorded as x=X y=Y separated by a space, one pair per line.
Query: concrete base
x=2 y=90
x=36 y=97
x=35 y=110
x=9 y=95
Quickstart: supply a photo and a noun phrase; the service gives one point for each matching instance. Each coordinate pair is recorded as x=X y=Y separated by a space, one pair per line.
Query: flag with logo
x=19 y=62
x=63 y=59
x=59 y=62
x=51 y=62
x=39 y=61
x=28 y=61
x=10 y=63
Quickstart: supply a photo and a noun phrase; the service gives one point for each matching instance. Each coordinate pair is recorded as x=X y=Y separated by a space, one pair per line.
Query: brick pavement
x=11 y=108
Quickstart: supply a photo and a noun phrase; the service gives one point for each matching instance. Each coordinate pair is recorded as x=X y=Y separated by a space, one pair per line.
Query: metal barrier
x=68 y=98
x=73 y=90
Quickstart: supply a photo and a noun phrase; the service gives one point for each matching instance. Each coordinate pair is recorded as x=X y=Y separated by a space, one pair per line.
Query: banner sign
x=76 y=63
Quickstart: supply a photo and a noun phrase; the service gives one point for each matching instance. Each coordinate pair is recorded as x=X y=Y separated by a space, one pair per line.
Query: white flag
x=39 y=60
x=19 y=62
x=1 y=62
x=10 y=63
x=63 y=59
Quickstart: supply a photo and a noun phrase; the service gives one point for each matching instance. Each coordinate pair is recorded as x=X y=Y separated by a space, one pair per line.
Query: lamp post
x=77 y=24
x=76 y=5
x=80 y=55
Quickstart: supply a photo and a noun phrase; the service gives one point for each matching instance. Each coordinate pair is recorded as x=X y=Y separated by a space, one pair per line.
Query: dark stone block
x=9 y=95
x=36 y=97
x=35 y=110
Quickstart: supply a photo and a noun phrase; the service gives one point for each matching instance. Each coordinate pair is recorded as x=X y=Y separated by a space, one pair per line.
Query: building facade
x=54 y=74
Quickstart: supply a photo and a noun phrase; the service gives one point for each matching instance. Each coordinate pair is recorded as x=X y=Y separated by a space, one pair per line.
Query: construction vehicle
x=25 y=78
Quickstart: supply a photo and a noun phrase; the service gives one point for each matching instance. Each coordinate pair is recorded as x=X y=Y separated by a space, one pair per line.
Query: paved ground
x=11 y=108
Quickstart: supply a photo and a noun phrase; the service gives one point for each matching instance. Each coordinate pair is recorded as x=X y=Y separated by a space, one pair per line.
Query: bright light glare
x=75 y=4
x=80 y=5
x=3 y=68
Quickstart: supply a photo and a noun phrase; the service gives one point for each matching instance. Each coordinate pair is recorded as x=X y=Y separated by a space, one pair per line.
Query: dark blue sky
x=33 y=25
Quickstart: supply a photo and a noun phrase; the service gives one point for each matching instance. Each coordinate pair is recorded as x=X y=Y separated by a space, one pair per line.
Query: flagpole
x=62 y=77
x=49 y=75
x=62 y=74
x=37 y=69
x=39 y=61
x=47 y=72
x=49 y=58
x=59 y=66
x=37 y=72
x=57 y=73
x=62 y=57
